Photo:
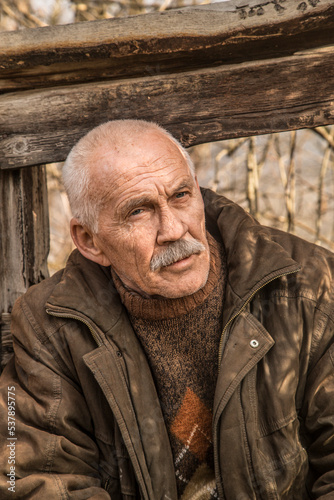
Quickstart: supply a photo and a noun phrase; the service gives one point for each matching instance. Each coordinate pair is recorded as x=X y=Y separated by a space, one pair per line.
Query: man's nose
x=171 y=227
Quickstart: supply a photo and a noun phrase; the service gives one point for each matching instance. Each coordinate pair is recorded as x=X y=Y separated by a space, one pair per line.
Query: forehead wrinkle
x=168 y=160
x=160 y=171
x=118 y=180
x=150 y=175
x=118 y=172
x=105 y=186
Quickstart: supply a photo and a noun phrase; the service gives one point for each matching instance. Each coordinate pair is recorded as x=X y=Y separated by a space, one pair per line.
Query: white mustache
x=178 y=250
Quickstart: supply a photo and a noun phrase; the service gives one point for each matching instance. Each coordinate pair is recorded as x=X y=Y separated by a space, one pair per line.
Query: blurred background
x=285 y=180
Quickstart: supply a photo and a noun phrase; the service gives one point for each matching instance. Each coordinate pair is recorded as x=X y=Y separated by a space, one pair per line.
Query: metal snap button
x=254 y=343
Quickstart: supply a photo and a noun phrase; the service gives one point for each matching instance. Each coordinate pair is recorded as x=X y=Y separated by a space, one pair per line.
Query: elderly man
x=184 y=352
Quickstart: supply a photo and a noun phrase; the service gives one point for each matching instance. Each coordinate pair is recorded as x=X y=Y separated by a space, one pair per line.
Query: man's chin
x=177 y=291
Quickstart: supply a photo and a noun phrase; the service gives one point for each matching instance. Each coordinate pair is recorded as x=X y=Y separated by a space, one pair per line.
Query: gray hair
x=76 y=172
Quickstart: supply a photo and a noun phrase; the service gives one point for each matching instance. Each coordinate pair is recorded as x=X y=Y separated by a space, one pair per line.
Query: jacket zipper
x=220 y=354
x=106 y=484
x=94 y=334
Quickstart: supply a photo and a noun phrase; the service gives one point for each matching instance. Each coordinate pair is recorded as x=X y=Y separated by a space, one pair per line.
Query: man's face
x=154 y=201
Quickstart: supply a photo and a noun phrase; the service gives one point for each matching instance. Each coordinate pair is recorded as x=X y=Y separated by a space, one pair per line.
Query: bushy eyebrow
x=187 y=184
x=136 y=202
x=133 y=203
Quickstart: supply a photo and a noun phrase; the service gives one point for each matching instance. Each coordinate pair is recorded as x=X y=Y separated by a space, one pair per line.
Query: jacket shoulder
x=29 y=311
x=317 y=263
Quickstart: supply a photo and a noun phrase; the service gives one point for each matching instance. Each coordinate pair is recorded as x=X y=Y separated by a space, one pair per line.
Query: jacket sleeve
x=46 y=433
x=318 y=419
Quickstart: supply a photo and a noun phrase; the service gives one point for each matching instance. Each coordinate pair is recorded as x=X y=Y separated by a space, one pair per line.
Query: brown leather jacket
x=87 y=417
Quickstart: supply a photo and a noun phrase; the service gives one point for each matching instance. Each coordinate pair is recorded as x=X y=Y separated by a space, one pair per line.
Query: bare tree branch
x=323 y=170
x=252 y=178
x=323 y=132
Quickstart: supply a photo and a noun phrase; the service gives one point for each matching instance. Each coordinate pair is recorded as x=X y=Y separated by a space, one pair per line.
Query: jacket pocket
x=283 y=458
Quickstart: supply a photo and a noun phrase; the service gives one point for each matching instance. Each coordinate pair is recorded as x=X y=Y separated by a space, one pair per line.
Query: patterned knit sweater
x=181 y=340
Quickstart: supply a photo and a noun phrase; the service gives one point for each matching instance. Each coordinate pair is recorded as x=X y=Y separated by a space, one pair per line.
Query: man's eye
x=137 y=211
x=181 y=195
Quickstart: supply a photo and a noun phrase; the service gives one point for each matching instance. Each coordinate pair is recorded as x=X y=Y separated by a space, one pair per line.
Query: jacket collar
x=254 y=253
x=87 y=290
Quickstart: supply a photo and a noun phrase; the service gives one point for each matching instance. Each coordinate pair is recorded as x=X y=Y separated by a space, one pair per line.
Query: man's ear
x=86 y=243
x=196 y=182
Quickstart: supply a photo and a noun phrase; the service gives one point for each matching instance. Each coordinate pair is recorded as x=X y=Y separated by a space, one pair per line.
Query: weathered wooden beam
x=206 y=73
x=256 y=97
x=165 y=42
x=24 y=240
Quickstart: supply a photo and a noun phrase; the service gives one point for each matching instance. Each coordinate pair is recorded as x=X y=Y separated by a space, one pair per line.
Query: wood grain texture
x=165 y=42
x=24 y=241
x=228 y=101
x=206 y=73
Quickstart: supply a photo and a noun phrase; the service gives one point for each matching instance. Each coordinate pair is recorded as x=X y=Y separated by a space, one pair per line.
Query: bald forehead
x=143 y=149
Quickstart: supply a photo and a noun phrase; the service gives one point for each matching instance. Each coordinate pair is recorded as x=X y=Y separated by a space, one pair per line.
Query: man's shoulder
x=62 y=287
x=37 y=295
x=316 y=262
x=316 y=276
x=82 y=289
x=300 y=248
x=78 y=270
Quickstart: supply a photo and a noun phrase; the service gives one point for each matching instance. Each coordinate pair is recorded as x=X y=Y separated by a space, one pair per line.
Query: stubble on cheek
x=130 y=257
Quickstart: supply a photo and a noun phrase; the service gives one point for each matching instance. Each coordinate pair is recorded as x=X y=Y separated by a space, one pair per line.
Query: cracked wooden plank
x=250 y=98
x=161 y=43
x=206 y=73
x=24 y=244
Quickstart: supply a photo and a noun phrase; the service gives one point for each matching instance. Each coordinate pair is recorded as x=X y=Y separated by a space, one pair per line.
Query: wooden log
x=162 y=43
x=24 y=241
x=256 y=97
x=250 y=68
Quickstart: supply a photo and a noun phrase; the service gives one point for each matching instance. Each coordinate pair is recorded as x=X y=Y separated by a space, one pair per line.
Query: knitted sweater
x=181 y=340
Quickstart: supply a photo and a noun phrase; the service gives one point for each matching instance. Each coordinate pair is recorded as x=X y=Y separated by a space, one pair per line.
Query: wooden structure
x=231 y=69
